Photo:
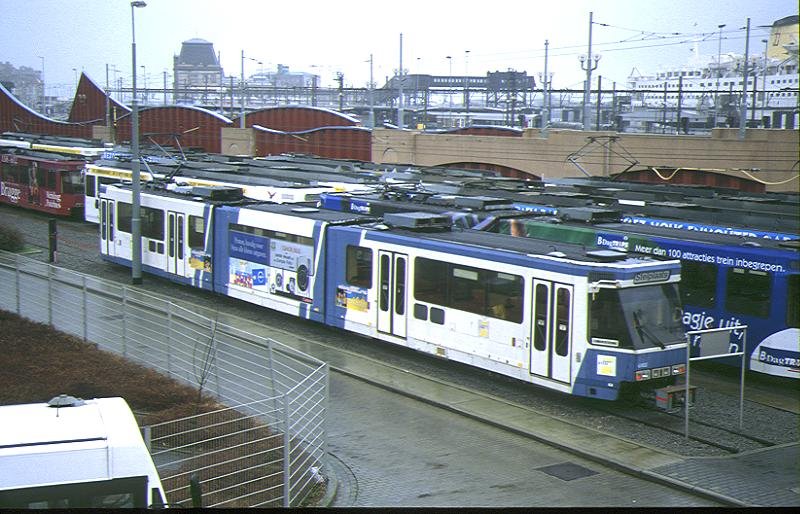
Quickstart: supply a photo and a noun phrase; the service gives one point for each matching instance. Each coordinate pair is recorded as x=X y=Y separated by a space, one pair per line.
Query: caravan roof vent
x=64 y=400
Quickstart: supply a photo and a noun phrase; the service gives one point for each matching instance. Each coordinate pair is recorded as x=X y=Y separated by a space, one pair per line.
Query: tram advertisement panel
x=280 y=266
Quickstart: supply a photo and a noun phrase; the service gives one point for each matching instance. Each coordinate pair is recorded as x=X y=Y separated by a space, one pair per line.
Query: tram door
x=552 y=328
x=392 y=286
x=176 y=242
x=107 y=227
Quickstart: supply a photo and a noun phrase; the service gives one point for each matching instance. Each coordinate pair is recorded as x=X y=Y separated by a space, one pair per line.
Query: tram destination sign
x=646 y=277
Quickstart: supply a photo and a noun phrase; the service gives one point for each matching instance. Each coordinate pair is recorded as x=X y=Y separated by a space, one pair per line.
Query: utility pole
x=599 y=91
x=108 y=102
x=136 y=219
x=680 y=105
x=546 y=97
x=400 y=88
x=241 y=110
x=719 y=73
x=340 y=80
x=664 y=112
x=743 y=108
x=589 y=68
x=466 y=86
x=371 y=122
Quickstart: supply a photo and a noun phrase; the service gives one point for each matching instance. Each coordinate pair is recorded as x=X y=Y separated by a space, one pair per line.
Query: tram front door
x=551 y=347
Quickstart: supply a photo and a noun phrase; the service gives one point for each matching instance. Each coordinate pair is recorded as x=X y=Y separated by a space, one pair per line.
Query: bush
x=10 y=239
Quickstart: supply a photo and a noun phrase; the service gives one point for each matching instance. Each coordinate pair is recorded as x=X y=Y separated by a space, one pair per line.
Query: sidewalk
x=769 y=477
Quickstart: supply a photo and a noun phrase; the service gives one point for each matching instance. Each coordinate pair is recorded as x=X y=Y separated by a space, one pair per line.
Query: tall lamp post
x=719 y=73
x=241 y=111
x=136 y=219
x=44 y=93
x=144 y=81
x=588 y=68
x=766 y=66
x=449 y=85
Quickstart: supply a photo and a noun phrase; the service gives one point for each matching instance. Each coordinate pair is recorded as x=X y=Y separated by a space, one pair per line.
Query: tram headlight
x=679 y=369
x=642 y=375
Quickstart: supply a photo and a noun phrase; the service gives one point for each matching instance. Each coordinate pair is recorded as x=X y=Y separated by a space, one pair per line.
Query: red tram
x=44 y=182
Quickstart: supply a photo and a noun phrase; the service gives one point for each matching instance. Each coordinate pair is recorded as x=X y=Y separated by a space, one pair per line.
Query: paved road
x=390 y=450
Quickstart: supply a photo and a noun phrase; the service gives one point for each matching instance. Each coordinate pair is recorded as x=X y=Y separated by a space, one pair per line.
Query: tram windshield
x=636 y=317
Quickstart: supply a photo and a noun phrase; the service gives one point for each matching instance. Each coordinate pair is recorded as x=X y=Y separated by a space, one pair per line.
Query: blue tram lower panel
x=602 y=373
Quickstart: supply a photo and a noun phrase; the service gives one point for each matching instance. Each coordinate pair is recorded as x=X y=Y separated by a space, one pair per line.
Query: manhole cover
x=567 y=471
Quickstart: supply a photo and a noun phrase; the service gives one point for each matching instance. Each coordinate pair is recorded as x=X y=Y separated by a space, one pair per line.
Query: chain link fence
x=265 y=449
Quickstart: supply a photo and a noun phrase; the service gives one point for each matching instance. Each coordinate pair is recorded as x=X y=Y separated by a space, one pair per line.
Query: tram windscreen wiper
x=642 y=329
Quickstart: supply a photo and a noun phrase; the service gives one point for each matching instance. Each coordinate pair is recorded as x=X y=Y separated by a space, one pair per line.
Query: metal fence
x=265 y=449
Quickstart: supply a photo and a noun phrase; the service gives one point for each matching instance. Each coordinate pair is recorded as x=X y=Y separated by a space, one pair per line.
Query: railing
x=265 y=449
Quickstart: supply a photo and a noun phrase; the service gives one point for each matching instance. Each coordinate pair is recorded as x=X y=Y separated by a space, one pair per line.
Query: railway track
x=716 y=435
x=709 y=436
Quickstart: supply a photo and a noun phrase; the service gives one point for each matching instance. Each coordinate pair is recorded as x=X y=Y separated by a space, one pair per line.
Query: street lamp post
x=766 y=66
x=588 y=68
x=241 y=110
x=144 y=81
x=546 y=95
x=44 y=92
x=719 y=71
x=449 y=85
x=136 y=220
x=466 y=87
x=743 y=104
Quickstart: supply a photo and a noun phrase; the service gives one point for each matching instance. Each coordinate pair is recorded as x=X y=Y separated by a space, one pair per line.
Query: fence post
x=124 y=320
x=325 y=405
x=271 y=357
x=147 y=435
x=686 y=391
x=169 y=339
x=287 y=464
x=85 y=311
x=19 y=300
x=50 y=295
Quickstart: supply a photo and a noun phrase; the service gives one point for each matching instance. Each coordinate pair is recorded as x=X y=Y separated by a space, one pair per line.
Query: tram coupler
x=671 y=397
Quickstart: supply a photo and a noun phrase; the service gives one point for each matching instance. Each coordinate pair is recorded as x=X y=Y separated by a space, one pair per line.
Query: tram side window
x=485 y=292
x=71 y=182
x=793 y=302
x=90 y=186
x=152 y=223
x=749 y=292
x=51 y=179
x=505 y=296
x=468 y=291
x=698 y=283
x=358 y=270
x=39 y=176
x=124 y=214
x=430 y=280
x=197 y=233
x=15 y=173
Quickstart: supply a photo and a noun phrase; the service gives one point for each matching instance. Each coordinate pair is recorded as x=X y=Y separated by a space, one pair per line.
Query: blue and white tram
x=584 y=323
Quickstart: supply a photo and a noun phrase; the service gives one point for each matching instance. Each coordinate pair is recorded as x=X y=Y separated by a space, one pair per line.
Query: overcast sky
x=325 y=37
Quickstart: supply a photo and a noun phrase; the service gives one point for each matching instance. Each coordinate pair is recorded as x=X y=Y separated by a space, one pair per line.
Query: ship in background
x=710 y=89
